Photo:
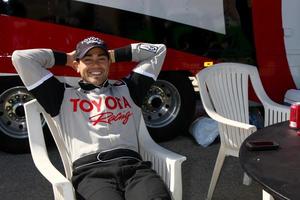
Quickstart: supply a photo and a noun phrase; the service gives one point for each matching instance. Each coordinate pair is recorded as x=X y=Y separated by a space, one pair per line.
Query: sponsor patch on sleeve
x=149 y=47
x=118 y=83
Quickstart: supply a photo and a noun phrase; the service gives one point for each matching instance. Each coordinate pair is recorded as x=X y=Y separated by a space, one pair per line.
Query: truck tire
x=169 y=106
x=13 y=129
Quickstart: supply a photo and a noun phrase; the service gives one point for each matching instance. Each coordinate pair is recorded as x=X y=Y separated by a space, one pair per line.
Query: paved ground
x=197 y=172
x=21 y=181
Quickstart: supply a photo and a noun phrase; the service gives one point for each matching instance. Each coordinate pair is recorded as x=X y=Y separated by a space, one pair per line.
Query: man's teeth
x=96 y=73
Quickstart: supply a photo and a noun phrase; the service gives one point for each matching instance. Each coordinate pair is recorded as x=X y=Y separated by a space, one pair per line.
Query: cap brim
x=83 y=53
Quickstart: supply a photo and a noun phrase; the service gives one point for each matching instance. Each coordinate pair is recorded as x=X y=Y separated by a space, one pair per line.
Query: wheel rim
x=161 y=105
x=12 y=114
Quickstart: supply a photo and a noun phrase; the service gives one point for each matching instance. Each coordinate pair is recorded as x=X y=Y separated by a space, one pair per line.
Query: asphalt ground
x=20 y=180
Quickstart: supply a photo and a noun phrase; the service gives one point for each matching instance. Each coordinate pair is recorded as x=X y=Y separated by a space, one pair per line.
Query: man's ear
x=75 y=65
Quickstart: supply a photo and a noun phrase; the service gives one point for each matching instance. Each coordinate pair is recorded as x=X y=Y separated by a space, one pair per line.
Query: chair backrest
x=60 y=144
x=224 y=89
x=62 y=149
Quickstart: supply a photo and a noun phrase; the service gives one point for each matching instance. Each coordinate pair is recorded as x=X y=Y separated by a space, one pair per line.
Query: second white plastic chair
x=223 y=89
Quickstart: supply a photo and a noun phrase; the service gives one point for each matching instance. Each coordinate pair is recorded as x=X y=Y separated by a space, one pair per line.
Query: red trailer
x=197 y=33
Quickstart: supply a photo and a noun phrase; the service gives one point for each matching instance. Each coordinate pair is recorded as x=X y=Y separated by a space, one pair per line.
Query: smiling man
x=92 y=63
x=99 y=119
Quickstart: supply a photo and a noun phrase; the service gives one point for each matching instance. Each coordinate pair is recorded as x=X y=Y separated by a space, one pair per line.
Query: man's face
x=94 y=66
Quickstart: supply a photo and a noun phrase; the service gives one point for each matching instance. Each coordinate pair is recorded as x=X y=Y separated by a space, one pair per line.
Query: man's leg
x=146 y=184
x=93 y=179
x=95 y=188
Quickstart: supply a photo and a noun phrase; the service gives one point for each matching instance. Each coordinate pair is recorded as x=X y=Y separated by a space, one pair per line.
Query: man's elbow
x=16 y=55
x=162 y=50
x=163 y=47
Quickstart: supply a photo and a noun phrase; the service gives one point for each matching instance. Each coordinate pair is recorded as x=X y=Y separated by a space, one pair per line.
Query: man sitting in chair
x=99 y=119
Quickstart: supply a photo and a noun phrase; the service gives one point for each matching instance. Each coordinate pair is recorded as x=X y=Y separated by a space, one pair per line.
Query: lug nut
x=8 y=108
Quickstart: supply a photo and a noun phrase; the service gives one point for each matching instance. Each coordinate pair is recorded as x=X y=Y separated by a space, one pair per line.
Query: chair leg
x=247 y=180
x=216 y=173
x=266 y=196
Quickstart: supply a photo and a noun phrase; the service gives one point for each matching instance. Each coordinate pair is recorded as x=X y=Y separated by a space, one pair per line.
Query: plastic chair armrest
x=278 y=107
x=62 y=187
x=230 y=122
x=165 y=162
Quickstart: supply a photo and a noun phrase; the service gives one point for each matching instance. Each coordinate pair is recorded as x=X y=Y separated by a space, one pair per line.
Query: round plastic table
x=278 y=171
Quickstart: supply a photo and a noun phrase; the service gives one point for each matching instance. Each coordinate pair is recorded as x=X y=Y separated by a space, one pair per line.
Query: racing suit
x=93 y=119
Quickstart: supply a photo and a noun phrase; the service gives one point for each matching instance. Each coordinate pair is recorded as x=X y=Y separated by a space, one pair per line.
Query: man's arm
x=150 y=58
x=32 y=66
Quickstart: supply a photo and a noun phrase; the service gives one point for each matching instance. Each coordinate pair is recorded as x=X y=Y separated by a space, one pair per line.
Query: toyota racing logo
x=110 y=102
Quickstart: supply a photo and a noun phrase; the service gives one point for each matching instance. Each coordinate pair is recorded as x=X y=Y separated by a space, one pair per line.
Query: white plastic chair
x=223 y=89
x=165 y=162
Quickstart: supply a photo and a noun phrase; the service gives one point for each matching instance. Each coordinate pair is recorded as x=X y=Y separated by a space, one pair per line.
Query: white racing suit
x=92 y=119
x=99 y=124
